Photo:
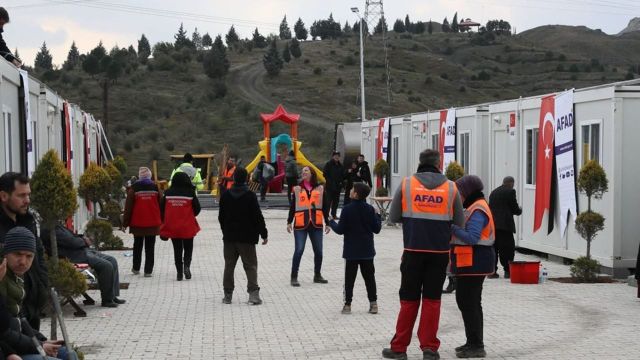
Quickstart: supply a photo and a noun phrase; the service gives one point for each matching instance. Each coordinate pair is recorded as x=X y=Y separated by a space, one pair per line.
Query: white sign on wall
x=564 y=155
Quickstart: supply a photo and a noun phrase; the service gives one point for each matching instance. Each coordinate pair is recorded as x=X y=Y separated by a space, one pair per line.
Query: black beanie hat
x=19 y=239
x=240 y=176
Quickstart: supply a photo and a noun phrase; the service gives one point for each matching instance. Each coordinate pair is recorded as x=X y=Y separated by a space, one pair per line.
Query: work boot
x=346 y=309
x=227 y=297
x=373 y=307
x=428 y=354
x=507 y=275
x=494 y=276
x=461 y=348
x=472 y=352
x=119 y=301
x=135 y=272
x=254 y=297
x=187 y=272
x=390 y=354
x=451 y=287
x=294 y=281
x=179 y=276
x=109 y=304
x=318 y=279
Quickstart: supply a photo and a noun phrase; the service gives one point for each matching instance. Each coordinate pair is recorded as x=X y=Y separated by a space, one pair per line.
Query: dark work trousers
x=182 y=253
x=368 y=272
x=291 y=182
x=264 y=186
x=505 y=247
x=149 y=244
x=106 y=268
x=247 y=253
x=469 y=299
x=332 y=197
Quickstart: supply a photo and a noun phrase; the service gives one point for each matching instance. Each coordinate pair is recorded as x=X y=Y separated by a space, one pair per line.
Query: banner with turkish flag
x=544 y=163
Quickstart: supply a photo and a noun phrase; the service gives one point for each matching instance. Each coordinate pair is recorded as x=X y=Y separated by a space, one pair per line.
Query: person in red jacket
x=142 y=217
x=179 y=207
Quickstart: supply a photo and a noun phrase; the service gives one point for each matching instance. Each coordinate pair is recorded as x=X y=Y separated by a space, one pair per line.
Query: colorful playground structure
x=273 y=148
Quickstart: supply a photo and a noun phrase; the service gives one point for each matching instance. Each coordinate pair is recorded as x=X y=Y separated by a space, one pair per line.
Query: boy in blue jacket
x=358 y=223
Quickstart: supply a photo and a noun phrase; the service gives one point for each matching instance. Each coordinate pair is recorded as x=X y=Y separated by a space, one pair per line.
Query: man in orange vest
x=226 y=180
x=426 y=204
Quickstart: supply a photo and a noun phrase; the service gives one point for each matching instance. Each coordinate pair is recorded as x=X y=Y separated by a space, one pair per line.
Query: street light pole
x=362 y=101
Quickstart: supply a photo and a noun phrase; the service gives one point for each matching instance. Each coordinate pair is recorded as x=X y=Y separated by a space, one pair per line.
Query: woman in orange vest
x=179 y=207
x=307 y=216
x=472 y=258
x=142 y=217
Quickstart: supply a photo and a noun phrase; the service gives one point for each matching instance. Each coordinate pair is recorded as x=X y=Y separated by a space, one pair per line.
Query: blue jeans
x=63 y=353
x=300 y=236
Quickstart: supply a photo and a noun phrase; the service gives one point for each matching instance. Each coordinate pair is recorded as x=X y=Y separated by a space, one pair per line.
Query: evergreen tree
x=196 y=39
x=346 y=29
x=430 y=27
x=16 y=55
x=144 y=49
x=398 y=26
x=44 y=60
x=300 y=30
x=445 y=26
x=294 y=49
x=272 y=61
x=215 y=63
x=454 y=24
x=382 y=26
x=285 y=31
x=407 y=24
x=132 y=54
x=259 y=41
x=73 y=58
x=182 y=40
x=418 y=28
x=232 y=37
x=286 y=53
x=207 y=41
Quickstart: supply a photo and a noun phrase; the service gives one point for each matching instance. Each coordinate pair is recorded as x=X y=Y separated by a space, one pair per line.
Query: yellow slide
x=301 y=160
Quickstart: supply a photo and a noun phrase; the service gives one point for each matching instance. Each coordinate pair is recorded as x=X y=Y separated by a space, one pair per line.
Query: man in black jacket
x=504 y=205
x=4 y=50
x=334 y=176
x=363 y=171
x=241 y=222
x=14 y=211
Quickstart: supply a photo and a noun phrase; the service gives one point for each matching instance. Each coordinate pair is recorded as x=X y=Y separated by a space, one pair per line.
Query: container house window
x=396 y=158
x=8 y=153
x=532 y=153
x=464 y=150
x=435 y=145
x=591 y=142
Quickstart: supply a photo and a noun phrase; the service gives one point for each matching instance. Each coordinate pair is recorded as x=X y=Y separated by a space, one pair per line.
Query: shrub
x=574 y=68
x=306 y=61
x=454 y=171
x=484 y=76
x=66 y=279
x=562 y=57
x=116 y=181
x=428 y=80
x=444 y=76
x=382 y=191
x=381 y=170
x=101 y=232
x=120 y=163
x=560 y=68
x=349 y=60
x=164 y=63
x=169 y=146
x=317 y=71
x=340 y=82
x=592 y=181
x=462 y=89
x=112 y=211
x=95 y=184
x=585 y=269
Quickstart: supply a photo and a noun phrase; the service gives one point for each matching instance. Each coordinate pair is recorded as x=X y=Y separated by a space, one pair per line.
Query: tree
x=285 y=31
x=272 y=61
x=454 y=171
x=95 y=185
x=207 y=41
x=499 y=27
x=182 y=40
x=215 y=62
x=16 y=55
x=407 y=24
x=232 y=37
x=196 y=39
x=259 y=41
x=398 y=26
x=144 y=49
x=454 y=24
x=382 y=26
x=418 y=28
x=73 y=58
x=300 y=30
x=445 y=26
x=346 y=29
x=295 y=49
x=44 y=60
x=286 y=53
x=430 y=27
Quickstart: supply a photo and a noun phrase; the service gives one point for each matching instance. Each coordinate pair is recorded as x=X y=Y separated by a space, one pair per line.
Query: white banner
x=564 y=155
x=449 y=144
x=385 y=139
x=30 y=145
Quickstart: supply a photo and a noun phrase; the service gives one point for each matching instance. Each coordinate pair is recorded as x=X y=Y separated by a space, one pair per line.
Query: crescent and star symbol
x=548 y=120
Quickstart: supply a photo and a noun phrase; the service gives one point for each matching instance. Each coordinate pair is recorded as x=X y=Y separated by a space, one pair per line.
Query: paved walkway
x=166 y=319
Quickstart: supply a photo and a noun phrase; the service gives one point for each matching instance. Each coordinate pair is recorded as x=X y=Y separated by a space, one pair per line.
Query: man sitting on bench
x=77 y=249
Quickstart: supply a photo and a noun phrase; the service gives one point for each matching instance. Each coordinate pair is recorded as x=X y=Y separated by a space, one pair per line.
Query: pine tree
x=454 y=24
x=294 y=48
x=207 y=41
x=196 y=39
x=407 y=24
x=181 y=39
x=398 y=26
x=430 y=27
x=382 y=26
x=286 y=53
x=259 y=41
x=144 y=49
x=73 y=58
x=272 y=61
x=232 y=37
x=44 y=60
x=346 y=29
x=445 y=26
x=285 y=31
x=215 y=63
x=300 y=30
x=16 y=55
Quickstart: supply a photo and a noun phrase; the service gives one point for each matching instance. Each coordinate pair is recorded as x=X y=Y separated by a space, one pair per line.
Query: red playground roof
x=280 y=114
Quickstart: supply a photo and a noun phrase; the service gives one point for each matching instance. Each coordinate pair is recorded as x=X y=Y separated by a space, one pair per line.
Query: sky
x=118 y=22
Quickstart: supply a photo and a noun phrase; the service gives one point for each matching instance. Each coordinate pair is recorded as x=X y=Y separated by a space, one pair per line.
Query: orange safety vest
x=228 y=173
x=308 y=208
x=427 y=215
x=478 y=259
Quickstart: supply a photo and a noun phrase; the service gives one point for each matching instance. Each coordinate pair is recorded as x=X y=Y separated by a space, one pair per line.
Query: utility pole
x=362 y=103
x=373 y=14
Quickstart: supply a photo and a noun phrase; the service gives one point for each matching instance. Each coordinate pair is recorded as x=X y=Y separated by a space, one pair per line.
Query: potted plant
x=454 y=171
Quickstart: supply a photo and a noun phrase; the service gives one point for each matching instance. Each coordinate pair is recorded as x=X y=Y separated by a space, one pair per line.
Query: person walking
x=260 y=174
x=350 y=177
x=142 y=217
x=307 y=214
x=179 y=207
x=334 y=176
x=188 y=168
x=472 y=258
x=426 y=204
x=358 y=223
x=363 y=171
x=291 y=173
x=504 y=205
x=242 y=223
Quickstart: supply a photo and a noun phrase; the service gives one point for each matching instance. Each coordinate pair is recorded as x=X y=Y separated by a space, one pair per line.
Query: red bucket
x=524 y=272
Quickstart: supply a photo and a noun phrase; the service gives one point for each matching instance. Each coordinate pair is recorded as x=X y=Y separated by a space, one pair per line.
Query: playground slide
x=301 y=160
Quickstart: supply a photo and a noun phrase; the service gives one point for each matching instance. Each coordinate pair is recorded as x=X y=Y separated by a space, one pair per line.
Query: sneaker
x=318 y=279
x=227 y=298
x=135 y=272
x=148 y=275
x=373 y=307
x=346 y=309
x=390 y=354
x=494 y=276
x=428 y=354
x=471 y=352
x=507 y=275
x=119 y=301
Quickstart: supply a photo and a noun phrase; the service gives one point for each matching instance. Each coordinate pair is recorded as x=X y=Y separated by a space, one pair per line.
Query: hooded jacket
x=364 y=173
x=240 y=216
x=291 y=167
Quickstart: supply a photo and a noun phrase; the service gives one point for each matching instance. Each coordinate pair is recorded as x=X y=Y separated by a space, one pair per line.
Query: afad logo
x=428 y=199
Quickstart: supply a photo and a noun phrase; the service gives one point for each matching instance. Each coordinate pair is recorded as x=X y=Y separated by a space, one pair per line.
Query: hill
x=171 y=106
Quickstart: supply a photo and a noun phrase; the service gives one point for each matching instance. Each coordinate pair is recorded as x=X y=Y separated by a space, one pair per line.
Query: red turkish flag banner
x=441 y=137
x=544 y=162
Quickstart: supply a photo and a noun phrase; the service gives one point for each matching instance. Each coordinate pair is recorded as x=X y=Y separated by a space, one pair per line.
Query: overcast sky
x=59 y=22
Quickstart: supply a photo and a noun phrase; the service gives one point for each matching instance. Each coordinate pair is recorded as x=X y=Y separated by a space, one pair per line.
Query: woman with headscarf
x=179 y=207
x=142 y=217
x=472 y=258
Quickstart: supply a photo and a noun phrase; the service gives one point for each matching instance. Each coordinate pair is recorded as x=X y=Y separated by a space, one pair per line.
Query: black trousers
x=182 y=253
x=469 y=300
x=332 y=197
x=264 y=186
x=149 y=244
x=347 y=193
x=368 y=272
x=505 y=247
x=423 y=275
x=291 y=182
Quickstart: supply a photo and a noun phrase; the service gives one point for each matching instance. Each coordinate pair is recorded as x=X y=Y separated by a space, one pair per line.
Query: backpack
x=268 y=172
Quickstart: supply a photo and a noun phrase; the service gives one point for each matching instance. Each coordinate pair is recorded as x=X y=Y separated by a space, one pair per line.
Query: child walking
x=358 y=223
